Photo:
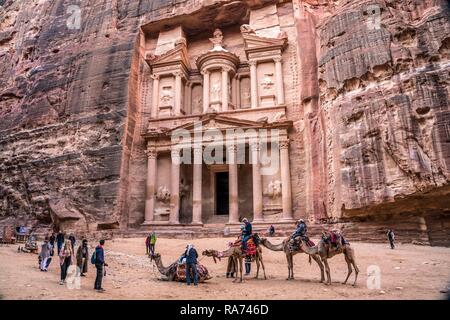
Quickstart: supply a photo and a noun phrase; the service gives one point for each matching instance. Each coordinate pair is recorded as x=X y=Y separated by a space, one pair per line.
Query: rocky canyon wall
x=375 y=118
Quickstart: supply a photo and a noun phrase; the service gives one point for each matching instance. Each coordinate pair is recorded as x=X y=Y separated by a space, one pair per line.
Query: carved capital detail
x=155 y=76
x=255 y=146
x=277 y=59
x=232 y=148
x=204 y=72
x=252 y=63
x=151 y=153
x=178 y=74
x=284 y=144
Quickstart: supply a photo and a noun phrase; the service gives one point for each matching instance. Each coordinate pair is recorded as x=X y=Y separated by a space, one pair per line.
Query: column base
x=196 y=224
x=259 y=220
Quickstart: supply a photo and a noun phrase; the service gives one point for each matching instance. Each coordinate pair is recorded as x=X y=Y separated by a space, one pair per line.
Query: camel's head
x=211 y=253
x=155 y=256
x=262 y=240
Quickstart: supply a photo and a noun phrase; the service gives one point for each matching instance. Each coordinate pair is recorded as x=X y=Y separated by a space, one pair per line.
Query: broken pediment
x=176 y=55
x=255 y=43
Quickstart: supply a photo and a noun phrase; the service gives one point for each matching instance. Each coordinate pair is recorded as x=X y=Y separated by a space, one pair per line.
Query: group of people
x=66 y=253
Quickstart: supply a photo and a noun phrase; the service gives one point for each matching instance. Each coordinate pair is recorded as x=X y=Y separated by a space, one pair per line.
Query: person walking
x=152 y=243
x=100 y=263
x=59 y=240
x=45 y=254
x=391 y=238
x=65 y=260
x=271 y=230
x=191 y=264
x=82 y=257
x=72 y=241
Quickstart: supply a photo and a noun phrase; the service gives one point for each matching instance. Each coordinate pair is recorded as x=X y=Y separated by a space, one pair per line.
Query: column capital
x=252 y=62
x=226 y=69
x=232 y=148
x=155 y=76
x=205 y=72
x=277 y=59
x=178 y=74
x=151 y=152
x=284 y=144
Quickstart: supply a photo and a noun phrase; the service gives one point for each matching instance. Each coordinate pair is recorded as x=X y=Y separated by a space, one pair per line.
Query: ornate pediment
x=215 y=121
x=255 y=43
x=176 y=55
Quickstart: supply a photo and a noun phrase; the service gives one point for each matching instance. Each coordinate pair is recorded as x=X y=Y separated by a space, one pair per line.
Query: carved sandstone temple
x=206 y=85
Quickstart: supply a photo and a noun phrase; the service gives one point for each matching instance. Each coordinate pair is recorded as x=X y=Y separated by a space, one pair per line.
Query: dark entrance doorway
x=222 y=200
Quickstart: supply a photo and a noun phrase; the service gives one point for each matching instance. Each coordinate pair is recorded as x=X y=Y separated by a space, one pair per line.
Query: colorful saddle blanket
x=202 y=272
x=251 y=246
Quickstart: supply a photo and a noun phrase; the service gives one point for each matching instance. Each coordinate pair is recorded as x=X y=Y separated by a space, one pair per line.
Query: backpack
x=93 y=257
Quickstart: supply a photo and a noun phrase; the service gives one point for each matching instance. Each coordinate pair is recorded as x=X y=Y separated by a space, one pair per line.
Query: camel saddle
x=180 y=269
x=251 y=246
x=296 y=243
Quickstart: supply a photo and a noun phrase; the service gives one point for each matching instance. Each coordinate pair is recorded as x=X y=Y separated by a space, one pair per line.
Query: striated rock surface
x=374 y=120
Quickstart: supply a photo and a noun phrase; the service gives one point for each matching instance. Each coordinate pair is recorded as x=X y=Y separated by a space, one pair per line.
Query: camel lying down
x=177 y=272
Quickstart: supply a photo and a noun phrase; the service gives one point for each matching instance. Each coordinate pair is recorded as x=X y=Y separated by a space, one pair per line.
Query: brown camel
x=237 y=254
x=170 y=273
x=324 y=250
x=284 y=246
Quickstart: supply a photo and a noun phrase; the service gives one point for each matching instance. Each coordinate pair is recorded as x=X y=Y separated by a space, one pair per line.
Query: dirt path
x=409 y=272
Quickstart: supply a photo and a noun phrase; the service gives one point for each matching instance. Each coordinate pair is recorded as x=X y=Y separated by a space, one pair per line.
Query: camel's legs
x=349 y=265
x=322 y=273
x=240 y=267
x=352 y=259
x=327 y=269
x=290 y=269
x=257 y=266
x=262 y=265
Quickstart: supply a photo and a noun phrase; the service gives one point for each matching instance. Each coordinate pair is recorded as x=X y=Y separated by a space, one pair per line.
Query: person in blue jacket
x=99 y=265
x=191 y=264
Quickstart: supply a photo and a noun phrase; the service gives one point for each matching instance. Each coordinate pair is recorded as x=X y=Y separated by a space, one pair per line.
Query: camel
x=323 y=249
x=170 y=273
x=237 y=254
x=284 y=246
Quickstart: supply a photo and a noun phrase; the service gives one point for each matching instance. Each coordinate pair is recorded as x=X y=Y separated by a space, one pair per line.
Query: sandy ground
x=408 y=272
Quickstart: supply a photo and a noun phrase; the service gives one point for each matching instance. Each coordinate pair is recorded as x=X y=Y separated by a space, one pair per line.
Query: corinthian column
x=285 y=181
x=279 y=80
x=151 y=185
x=225 y=79
x=174 y=217
x=155 y=96
x=233 y=186
x=253 y=84
x=257 y=184
x=197 y=192
x=205 y=74
x=177 y=93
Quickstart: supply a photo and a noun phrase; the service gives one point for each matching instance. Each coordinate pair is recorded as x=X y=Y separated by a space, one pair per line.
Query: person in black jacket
x=59 y=240
x=191 y=264
x=391 y=238
x=247 y=231
x=99 y=264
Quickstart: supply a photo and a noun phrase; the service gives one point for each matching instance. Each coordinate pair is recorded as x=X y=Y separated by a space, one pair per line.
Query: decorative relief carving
x=166 y=95
x=163 y=194
x=274 y=189
x=216 y=90
x=284 y=144
x=247 y=29
x=151 y=153
x=267 y=82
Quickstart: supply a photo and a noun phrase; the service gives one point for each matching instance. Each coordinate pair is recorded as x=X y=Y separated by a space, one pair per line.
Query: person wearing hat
x=300 y=231
x=82 y=257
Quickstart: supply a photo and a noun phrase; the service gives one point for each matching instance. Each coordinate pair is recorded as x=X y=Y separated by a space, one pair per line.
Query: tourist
x=271 y=230
x=248 y=264
x=391 y=238
x=100 y=263
x=191 y=264
x=246 y=233
x=152 y=243
x=59 y=240
x=45 y=254
x=147 y=244
x=65 y=257
x=82 y=257
x=300 y=231
x=72 y=241
x=51 y=243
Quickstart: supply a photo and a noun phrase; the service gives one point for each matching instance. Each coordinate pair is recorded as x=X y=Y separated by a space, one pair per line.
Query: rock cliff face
x=374 y=88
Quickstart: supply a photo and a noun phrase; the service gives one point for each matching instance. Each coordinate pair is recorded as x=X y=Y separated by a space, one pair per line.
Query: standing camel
x=284 y=246
x=323 y=249
x=237 y=254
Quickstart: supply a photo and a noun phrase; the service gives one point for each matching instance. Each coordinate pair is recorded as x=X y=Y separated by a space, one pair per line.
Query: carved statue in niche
x=163 y=194
x=217 y=40
x=184 y=189
x=274 y=189
x=166 y=95
x=267 y=82
x=216 y=91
